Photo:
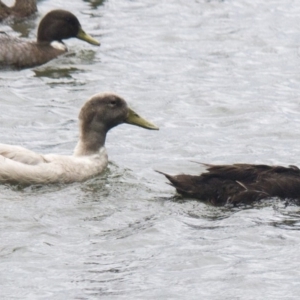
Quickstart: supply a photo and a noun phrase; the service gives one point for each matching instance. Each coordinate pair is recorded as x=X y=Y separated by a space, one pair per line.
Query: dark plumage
x=56 y=26
x=239 y=183
x=21 y=9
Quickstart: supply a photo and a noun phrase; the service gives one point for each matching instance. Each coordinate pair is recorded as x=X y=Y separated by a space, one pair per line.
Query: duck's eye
x=112 y=103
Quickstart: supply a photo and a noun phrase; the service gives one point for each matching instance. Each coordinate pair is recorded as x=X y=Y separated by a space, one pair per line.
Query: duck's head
x=58 y=25
x=101 y=113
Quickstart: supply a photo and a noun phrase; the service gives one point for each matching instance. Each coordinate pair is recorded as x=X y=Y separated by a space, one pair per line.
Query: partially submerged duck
x=239 y=183
x=56 y=26
x=97 y=116
x=21 y=9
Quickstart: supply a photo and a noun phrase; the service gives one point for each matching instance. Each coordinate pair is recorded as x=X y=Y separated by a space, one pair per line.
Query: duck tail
x=165 y=174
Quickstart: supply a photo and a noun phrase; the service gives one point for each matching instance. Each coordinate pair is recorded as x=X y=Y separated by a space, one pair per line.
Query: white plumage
x=98 y=115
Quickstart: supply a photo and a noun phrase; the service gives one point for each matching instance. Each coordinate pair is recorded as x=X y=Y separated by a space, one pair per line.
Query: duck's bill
x=134 y=119
x=87 y=38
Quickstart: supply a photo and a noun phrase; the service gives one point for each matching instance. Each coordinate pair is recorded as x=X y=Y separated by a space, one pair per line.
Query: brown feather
x=21 y=9
x=239 y=183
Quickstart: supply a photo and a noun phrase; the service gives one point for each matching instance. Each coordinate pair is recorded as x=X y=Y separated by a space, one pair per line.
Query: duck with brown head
x=55 y=27
x=97 y=116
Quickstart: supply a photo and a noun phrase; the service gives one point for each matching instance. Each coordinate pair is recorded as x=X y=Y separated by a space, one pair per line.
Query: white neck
x=59 y=46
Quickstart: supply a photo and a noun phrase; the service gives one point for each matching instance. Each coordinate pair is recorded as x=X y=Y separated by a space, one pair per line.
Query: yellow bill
x=86 y=37
x=134 y=119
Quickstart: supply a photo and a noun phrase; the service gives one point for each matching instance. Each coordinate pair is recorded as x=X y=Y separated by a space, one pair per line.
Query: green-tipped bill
x=134 y=119
x=86 y=37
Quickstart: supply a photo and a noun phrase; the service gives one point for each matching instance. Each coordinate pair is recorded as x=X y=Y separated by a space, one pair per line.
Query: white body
x=97 y=116
x=20 y=165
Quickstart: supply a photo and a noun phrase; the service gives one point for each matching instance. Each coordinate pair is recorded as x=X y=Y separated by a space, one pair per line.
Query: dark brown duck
x=239 y=183
x=55 y=27
x=21 y=9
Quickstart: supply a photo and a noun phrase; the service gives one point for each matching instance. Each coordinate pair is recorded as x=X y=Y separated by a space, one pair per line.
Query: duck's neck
x=90 y=143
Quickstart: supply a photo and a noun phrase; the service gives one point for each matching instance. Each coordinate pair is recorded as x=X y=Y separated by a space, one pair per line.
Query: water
x=221 y=80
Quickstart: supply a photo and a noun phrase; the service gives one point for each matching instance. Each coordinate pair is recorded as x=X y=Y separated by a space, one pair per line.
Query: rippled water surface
x=221 y=80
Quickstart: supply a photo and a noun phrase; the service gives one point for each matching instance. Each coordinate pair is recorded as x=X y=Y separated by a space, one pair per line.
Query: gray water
x=221 y=80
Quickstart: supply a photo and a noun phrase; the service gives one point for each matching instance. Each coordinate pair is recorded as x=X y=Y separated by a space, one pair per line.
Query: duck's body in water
x=239 y=183
x=97 y=116
x=21 y=9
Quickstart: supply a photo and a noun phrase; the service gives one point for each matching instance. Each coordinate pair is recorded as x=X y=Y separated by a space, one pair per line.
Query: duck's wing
x=15 y=52
x=246 y=173
x=16 y=172
x=278 y=181
x=18 y=53
x=21 y=155
x=53 y=169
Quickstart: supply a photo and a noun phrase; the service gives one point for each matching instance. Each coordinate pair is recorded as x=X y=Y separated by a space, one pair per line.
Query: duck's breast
x=77 y=168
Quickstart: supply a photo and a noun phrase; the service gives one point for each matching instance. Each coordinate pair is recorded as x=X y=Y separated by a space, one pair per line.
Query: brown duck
x=239 y=183
x=21 y=9
x=55 y=27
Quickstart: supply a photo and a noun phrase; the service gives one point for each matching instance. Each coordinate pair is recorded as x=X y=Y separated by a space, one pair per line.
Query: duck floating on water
x=239 y=183
x=97 y=116
x=56 y=26
x=21 y=9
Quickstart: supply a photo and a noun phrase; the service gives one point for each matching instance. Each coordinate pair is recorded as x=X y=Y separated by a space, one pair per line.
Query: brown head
x=58 y=25
x=100 y=114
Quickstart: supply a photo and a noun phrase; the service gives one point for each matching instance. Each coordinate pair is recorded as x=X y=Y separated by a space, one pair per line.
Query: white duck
x=98 y=115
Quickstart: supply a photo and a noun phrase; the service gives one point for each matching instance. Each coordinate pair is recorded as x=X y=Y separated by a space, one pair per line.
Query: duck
x=21 y=9
x=57 y=25
x=97 y=116
x=239 y=184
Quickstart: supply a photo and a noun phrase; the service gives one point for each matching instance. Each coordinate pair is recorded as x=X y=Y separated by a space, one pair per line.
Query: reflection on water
x=63 y=68
x=25 y=27
x=221 y=80
x=95 y=3
x=56 y=73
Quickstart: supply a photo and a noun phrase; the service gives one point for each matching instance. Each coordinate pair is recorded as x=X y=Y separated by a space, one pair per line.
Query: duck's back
x=21 y=9
x=18 y=53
